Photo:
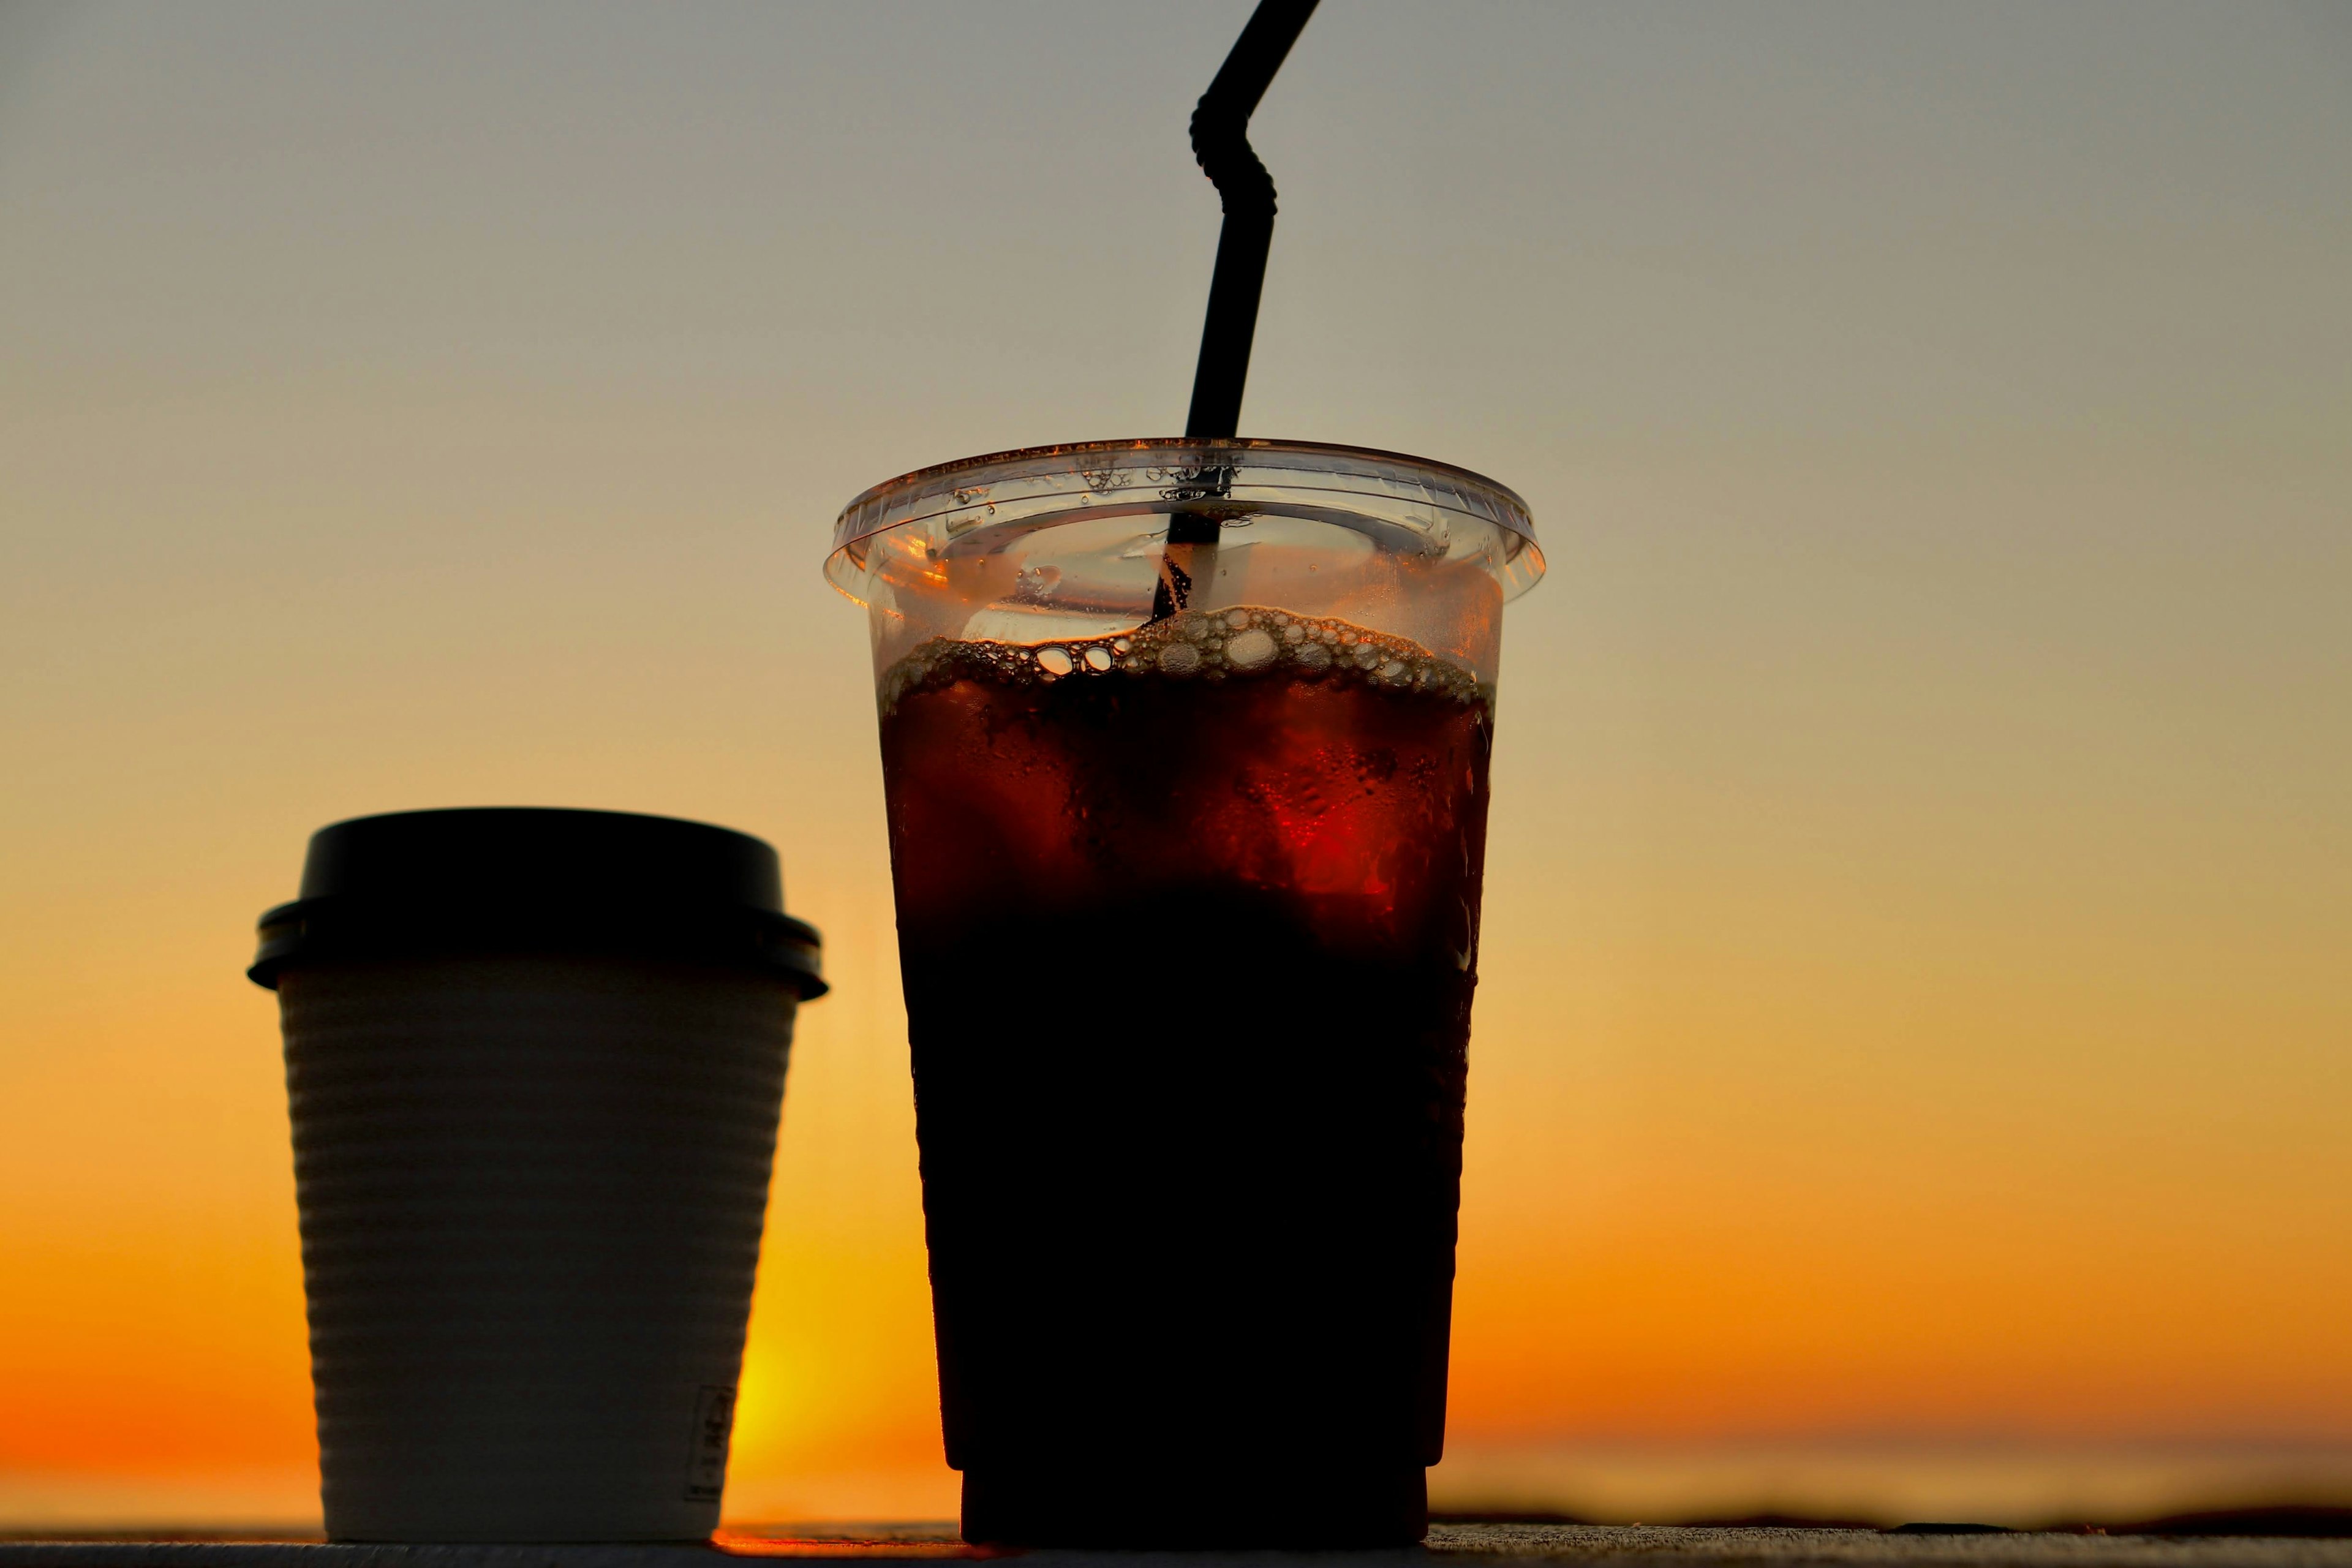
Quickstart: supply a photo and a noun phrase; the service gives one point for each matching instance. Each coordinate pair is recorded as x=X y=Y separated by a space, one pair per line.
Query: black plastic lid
x=537 y=880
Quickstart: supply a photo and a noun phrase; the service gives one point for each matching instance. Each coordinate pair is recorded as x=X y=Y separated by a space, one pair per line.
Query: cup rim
x=1147 y=471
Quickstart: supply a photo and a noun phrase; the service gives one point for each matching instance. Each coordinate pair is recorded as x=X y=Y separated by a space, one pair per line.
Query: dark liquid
x=1189 y=944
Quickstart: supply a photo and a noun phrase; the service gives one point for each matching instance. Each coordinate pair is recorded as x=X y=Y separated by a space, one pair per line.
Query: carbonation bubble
x=1097 y=658
x=1251 y=648
x=1293 y=632
x=1392 y=670
x=1179 y=659
x=1314 y=656
x=1055 y=660
x=1237 y=619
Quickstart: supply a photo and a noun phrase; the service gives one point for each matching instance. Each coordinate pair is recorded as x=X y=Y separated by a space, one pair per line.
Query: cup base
x=1149 y=1508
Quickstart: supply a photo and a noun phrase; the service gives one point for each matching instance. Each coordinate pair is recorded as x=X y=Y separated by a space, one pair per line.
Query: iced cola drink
x=1188 y=839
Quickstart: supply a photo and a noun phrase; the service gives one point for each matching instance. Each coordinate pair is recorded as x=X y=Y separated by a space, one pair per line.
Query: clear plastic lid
x=1409 y=505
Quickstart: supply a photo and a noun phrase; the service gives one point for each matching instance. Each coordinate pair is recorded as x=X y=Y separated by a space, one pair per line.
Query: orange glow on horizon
x=1690 y=1306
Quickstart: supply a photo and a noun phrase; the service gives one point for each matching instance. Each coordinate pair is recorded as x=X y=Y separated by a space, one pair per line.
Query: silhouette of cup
x=535 y=1061
x=1184 y=754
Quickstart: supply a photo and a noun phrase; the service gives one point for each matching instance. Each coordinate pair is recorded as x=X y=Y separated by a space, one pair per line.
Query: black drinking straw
x=1221 y=145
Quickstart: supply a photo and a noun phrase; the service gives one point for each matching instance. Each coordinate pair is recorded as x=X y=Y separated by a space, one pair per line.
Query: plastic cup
x=1187 y=839
x=535 y=1061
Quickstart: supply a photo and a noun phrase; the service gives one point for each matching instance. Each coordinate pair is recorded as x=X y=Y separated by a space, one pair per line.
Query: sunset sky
x=1915 y=1026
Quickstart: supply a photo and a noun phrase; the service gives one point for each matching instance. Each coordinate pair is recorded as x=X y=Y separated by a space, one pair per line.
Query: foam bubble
x=1097 y=659
x=1251 y=648
x=1180 y=658
x=1055 y=660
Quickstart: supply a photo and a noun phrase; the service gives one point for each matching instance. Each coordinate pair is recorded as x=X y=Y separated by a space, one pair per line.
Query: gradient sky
x=1914 y=1006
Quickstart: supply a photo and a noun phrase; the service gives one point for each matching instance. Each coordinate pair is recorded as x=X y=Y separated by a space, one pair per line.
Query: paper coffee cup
x=535 y=1061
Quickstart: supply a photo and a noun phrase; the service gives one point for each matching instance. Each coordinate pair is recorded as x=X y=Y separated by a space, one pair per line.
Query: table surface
x=1449 y=1546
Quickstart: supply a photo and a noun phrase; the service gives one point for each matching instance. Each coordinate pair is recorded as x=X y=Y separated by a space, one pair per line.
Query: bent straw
x=1221 y=146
